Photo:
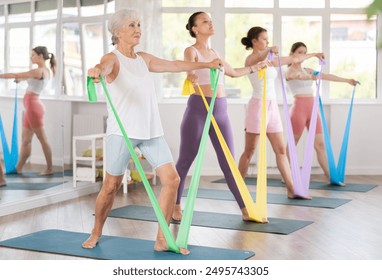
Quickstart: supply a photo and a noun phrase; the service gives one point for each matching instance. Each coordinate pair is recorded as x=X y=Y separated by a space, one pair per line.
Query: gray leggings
x=190 y=134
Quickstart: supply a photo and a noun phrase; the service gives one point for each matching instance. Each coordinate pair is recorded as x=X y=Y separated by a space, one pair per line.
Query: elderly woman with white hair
x=132 y=92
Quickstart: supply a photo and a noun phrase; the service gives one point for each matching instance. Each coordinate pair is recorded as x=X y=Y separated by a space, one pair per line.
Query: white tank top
x=300 y=87
x=257 y=84
x=37 y=85
x=133 y=96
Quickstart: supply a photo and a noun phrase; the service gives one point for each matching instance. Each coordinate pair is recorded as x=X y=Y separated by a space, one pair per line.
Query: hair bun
x=245 y=41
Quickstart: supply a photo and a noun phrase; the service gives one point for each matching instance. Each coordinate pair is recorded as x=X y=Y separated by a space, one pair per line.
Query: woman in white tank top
x=132 y=91
x=33 y=119
x=300 y=81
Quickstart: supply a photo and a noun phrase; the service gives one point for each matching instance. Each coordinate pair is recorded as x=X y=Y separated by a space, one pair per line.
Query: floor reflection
x=30 y=190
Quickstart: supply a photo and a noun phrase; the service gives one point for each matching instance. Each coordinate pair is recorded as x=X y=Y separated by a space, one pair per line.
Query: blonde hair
x=117 y=21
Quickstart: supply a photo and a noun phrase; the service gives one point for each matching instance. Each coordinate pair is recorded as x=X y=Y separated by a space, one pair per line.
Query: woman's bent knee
x=112 y=185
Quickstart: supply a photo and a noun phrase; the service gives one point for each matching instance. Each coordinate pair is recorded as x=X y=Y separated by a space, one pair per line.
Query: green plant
x=374 y=9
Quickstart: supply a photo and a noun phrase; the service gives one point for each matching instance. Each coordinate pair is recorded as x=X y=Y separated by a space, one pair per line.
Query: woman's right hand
x=94 y=73
x=320 y=56
x=216 y=63
x=274 y=50
x=262 y=64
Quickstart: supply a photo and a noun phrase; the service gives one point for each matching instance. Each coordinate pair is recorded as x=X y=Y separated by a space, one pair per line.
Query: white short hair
x=118 y=19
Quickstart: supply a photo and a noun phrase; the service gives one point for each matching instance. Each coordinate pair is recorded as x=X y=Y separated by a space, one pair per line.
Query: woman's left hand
x=352 y=82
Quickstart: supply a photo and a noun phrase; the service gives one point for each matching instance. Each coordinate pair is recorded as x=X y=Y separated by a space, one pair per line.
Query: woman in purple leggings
x=200 y=27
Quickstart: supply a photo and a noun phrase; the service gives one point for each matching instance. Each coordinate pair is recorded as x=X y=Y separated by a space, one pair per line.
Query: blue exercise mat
x=29 y=174
x=30 y=186
x=350 y=187
x=273 y=198
x=215 y=220
x=113 y=247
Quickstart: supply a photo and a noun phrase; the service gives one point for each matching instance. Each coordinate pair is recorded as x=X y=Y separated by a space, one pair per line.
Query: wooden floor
x=351 y=231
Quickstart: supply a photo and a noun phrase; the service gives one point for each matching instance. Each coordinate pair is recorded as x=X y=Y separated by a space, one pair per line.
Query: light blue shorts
x=155 y=150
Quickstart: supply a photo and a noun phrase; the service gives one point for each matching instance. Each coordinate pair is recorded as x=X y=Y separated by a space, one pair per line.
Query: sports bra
x=300 y=87
x=37 y=85
x=204 y=74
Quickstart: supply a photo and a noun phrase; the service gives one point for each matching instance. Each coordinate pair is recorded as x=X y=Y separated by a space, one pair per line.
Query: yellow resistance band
x=261 y=189
x=255 y=211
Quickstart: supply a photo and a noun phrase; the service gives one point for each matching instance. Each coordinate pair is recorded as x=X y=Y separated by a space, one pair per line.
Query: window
x=72 y=66
x=302 y=4
x=19 y=12
x=353 y=54
x=350 y=4
x=45 y=9
x=174 y=44
x=35 y=21
x=69 y=8
x=47 y=36
x=185 y=3
x=92 y=7
x=249 y=3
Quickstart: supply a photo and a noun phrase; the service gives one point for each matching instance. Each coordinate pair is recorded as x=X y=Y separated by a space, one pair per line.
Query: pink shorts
x=253 y=117
x=34 y=111
x=300 y=115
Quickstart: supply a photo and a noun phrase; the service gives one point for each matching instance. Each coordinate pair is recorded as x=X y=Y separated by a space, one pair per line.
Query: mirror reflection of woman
x=33 y=120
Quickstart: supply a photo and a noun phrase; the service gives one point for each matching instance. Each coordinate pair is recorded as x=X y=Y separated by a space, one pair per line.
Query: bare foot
x=3 y=183
x=299 y=197
x=91 y=242
x=245 y=217
x=161 y=246
x=46 y=172
x=244 y=214
x=177 y=213
x=263 y=221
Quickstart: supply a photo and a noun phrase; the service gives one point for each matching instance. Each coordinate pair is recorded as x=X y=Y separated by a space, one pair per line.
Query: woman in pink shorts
x=299 y=81
x=257 y=40
x=33 y=122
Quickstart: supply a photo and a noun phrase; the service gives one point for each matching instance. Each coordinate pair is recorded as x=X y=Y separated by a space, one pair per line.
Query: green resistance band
x=92 y=95
x=185 y=225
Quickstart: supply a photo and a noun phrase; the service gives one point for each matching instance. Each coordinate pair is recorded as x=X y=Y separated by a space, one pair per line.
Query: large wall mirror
x=65 y=28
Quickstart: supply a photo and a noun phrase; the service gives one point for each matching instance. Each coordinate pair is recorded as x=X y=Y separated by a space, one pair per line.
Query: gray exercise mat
x=113 y=247
x=350 y=187
x=273 y=198
x=215 y=220
x=30 y=186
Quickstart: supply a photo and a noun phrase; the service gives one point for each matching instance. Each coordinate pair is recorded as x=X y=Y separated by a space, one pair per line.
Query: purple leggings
x=190 y=134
